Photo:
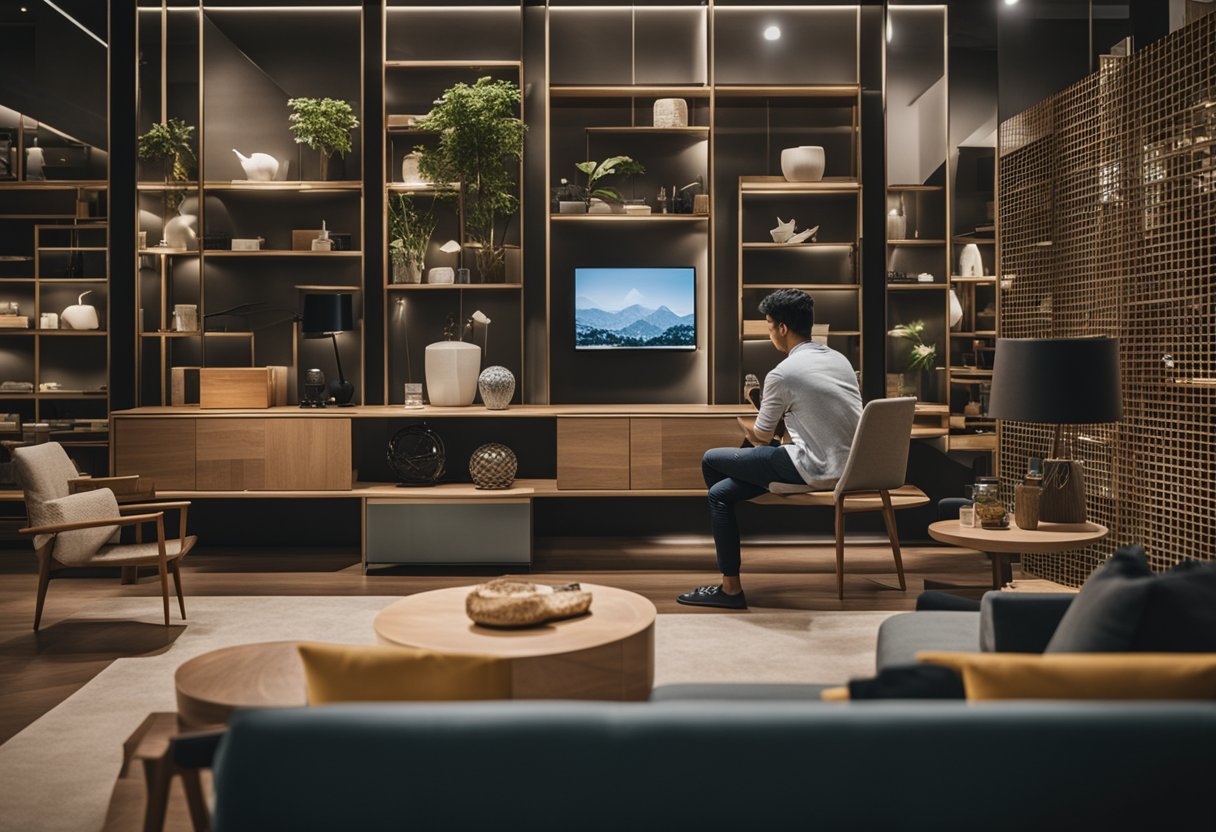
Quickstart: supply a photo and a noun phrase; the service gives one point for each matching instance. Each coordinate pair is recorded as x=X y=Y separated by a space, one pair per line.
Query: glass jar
x=989 y=510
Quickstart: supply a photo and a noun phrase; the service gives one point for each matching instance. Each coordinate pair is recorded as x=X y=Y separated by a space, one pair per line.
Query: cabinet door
x=592 y=453
x=159 y=449
x=666 y=452
x=305 y=454
x=231 y=454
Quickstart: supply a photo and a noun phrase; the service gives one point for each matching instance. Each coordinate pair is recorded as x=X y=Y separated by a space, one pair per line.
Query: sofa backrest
x=591 y=766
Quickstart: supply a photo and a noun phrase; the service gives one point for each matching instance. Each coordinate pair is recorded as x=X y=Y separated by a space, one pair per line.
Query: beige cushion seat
x=146 y=551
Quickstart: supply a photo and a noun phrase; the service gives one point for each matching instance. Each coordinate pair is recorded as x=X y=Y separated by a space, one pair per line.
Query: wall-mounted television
x=635 y=308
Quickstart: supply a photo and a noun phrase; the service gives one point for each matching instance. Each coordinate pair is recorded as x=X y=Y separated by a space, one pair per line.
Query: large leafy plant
x=481 y=142
x=597 y=171
x=410 y=231
x=324 y=125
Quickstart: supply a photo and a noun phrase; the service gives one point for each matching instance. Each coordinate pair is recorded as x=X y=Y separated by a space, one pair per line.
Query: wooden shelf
x=977 y=334
x=758 y=331
x=434 y=287
x=166 y=186
x=972 y=442
x=816 y=287
x=169 y=252
x=12 y=330
x=196 y=334
x=779 y=185
x=422 y=189
x=72 y=394
x=969 y=373
x=69 y=248
x=821 y=91
x=451 y=64
x=923 y=188
x=906 y=287
x=240 y=185
x=53 y=185
x=71 y=280
x=629 y=217
x=916 y=242
x=280 y=253
x=985 y=279
x=628 y=91
x=675 y=131
x=791 y=246
x=73 y=333
x=981 y=241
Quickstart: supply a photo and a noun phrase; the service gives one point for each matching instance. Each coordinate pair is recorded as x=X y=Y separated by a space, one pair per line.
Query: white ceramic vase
x=410 y=174
x=259 y=167
x=80 y=315
x=671 y=112
x=497 y=386
x=956 y=310
x=897 y=225
x=970 y=263
x=804 y=163
x=441 y=274
x=451 y=373
x=180 y=233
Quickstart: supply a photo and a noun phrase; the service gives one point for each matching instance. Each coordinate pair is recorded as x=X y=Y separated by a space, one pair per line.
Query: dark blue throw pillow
x=1125 y=608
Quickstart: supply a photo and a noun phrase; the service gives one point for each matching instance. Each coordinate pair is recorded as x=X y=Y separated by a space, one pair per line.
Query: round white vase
x=497 y=386
x=970 y=262
x=804 y=163
x=451 y=373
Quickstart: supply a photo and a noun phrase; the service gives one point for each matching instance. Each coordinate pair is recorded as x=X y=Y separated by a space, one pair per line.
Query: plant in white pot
x=481 y=142
x=410 y=231
x=921 y=356
x=323 y=124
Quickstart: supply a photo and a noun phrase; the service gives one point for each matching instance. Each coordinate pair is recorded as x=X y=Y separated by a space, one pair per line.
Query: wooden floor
x=38 y=671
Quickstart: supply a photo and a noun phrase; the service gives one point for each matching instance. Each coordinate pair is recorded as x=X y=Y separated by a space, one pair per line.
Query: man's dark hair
x=792 y=307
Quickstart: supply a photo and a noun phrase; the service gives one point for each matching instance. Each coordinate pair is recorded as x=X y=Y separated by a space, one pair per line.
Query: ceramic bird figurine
x=783 y=231
x=259 y=167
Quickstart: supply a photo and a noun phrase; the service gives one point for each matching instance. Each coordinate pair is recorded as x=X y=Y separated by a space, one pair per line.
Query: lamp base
x=342 y=391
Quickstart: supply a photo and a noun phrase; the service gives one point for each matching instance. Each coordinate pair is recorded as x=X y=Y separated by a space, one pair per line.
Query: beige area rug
x=58 y=773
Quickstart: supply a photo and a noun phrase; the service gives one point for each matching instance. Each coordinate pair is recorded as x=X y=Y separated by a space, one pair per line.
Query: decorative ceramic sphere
x=804 y=163
x=497 y=386
x=417 y=455
x=493 y=466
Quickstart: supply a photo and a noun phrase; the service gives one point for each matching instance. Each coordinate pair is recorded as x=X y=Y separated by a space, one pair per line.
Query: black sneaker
x=713 y=596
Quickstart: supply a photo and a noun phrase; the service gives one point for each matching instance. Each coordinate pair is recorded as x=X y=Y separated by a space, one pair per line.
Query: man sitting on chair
x=815 y=389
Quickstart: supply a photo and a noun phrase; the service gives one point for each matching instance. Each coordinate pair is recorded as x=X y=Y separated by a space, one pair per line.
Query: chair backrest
x=878 y=458
x=44 y=471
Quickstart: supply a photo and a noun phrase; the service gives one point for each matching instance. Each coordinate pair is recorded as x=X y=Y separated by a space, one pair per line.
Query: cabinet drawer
x=592 y=453
x=160 y=449
x=666 y=452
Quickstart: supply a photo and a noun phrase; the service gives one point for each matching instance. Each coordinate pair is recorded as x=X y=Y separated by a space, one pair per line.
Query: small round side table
x=1001 y=544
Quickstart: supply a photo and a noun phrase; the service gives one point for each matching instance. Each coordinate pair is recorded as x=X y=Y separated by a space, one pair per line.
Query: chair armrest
x=128 y=520
x=101 y=482
x=195 y=750
x=1021 y=622
x=125 y=507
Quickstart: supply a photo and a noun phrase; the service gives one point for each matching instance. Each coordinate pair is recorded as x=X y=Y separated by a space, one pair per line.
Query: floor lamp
x=1058 y=381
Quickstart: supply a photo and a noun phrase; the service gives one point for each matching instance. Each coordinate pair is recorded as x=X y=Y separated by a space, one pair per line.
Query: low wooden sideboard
x=288 y=452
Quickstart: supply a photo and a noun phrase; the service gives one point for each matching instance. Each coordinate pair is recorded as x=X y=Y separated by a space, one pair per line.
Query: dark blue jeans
x=735 y=475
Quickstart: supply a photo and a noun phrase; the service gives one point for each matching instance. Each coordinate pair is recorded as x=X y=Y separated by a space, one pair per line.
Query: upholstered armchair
x=80 y=530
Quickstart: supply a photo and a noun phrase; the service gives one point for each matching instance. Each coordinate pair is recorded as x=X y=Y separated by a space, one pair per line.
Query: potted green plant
x=921 y=356
x=323 y=124
x=170 y=142
x=481 y=143
x=409 y=233
x=597 y=171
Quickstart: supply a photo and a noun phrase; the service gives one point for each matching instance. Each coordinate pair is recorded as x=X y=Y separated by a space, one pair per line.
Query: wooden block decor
x=1107 y=194
x=592 y=453
x=183 y=386
x=240 y=387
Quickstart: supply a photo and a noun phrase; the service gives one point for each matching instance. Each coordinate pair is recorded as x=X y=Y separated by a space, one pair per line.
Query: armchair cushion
x=78 y=547
x=44 y=471
x=366 y=673
x=1021 y=622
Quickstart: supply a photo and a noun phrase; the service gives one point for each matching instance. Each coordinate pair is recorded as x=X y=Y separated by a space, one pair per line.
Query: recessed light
x=772 y=33
x=1011 y=2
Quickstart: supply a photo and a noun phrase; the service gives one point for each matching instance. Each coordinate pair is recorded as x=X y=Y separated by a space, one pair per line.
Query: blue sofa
x=709 y=766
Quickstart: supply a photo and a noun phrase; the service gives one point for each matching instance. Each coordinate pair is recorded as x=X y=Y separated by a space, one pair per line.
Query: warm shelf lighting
x=1011 y=2
x=772 y=33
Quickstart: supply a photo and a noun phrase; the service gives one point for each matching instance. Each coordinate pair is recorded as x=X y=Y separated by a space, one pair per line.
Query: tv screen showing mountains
x=635 y=309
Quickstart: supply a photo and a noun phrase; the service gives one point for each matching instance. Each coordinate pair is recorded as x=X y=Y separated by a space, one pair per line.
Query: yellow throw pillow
x=989 y=676
x=369 y=673
x=837 y=694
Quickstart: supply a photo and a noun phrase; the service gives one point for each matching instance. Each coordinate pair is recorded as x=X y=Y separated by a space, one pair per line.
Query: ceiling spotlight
x=1011 y=2
x=890 y=30
x=772 y=33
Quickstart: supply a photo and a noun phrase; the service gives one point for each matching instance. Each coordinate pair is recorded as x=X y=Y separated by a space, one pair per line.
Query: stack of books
x=8 y=321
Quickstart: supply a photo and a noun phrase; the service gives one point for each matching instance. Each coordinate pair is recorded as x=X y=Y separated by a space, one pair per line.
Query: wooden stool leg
x=44 y=580
x=177 y=584
x=164 y=588
x=193 y=784
x=158 y=775
x=888 y=515
x=840 y=549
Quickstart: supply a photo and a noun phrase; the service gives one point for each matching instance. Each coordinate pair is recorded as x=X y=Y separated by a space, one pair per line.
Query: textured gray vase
x=497 y=385
x=493 y=466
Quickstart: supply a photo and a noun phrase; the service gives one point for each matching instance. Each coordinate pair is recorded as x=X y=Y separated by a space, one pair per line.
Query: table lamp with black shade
x=1058 y=381
x=328 y=314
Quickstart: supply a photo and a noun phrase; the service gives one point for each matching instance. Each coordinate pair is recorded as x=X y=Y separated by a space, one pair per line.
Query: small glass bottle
x=989 y=509
x=323 y=243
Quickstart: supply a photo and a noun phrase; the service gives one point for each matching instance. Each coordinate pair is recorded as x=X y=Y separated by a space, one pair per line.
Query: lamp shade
x=326 y=313
x=1062 y=381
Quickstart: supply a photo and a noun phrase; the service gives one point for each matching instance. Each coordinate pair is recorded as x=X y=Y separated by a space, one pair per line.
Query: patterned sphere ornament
x=497 y=385
x=417 y=455
x=493 y=466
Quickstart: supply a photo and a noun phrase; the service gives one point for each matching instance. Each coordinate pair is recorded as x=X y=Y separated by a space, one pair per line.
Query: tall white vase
x=956 y=309
x=970 y=263
x=451 y=373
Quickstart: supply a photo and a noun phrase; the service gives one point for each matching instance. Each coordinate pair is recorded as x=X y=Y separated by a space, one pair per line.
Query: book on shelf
x=14 y=321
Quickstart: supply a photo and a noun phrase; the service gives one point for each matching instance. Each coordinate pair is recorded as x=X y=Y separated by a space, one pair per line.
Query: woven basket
x=509 y=603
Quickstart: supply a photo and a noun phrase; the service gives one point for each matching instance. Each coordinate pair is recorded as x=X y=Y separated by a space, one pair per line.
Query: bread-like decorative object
x=505 y=602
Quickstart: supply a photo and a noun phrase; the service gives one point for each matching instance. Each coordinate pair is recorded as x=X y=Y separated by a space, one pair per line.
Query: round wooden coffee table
x=1001 y=544
x=606 y=654
x=265 y=675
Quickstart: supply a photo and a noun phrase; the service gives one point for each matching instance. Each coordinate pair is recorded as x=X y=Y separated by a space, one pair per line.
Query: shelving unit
x=247 y=303
x=916 y=91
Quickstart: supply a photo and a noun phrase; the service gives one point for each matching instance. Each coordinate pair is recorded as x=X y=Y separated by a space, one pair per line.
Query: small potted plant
x=170 y=142
x=597 y=171
x=410 y=233
x=568 y=198
x=323 y=124
x=921 y=357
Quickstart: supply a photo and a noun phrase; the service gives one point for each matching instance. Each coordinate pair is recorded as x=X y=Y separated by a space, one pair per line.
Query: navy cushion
x=918 y=681
x=1124 y=607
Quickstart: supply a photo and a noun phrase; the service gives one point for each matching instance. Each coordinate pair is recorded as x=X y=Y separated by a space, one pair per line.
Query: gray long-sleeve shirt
x=815 y=389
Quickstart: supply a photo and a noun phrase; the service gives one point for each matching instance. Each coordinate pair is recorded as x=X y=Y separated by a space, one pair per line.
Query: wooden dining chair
x=81 y=530
x=873 y=478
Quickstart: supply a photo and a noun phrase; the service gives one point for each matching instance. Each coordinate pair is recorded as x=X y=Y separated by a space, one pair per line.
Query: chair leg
x=177 y=584
x=888 y=515
x=193 y=784
x=840 y=549
x=44 y=580
x=158 y=776
x=164 y=588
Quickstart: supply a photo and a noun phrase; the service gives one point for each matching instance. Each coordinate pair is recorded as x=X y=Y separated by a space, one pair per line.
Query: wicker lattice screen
x=1108 y=226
